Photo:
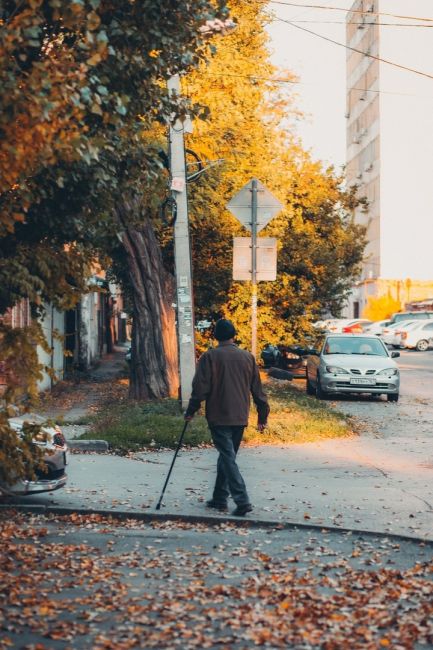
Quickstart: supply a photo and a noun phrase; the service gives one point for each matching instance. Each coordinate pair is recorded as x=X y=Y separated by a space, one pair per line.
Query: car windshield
x=354 y=345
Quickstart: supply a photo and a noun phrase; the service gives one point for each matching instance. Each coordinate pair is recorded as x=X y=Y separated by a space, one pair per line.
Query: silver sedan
x=349 y=363
x=55 y=450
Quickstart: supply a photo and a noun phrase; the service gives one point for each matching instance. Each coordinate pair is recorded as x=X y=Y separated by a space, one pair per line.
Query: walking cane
x=158 y=505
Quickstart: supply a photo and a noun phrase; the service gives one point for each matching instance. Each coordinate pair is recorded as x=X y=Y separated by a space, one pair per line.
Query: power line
x=363 y=24
x=354 y=49
x=351 y=11
x=301 y=83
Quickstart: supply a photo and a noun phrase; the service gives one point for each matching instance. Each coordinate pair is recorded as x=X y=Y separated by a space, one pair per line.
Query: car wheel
x=310 y=387
x=393 y=397
x=320 y=393
x=422 y=345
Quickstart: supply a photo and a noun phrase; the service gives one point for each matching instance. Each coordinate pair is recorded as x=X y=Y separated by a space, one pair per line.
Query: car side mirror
x=395 y=354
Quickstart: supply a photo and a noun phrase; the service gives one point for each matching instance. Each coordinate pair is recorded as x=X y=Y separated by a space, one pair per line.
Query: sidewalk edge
x=149 y=517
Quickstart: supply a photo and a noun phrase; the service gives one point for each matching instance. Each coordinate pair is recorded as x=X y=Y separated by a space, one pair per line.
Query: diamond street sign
x=267 y=206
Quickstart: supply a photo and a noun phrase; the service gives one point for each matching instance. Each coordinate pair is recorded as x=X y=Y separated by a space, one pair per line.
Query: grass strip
x=295 y=418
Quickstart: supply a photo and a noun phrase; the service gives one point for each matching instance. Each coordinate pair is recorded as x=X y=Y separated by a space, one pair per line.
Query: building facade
x=389 y=115
x=75 y=339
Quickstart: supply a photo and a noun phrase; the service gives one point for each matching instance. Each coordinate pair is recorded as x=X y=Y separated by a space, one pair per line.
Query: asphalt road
x=87 y=582
x=412 y=416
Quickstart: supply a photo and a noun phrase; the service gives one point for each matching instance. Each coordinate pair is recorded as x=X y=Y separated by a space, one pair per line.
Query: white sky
x=321 y=68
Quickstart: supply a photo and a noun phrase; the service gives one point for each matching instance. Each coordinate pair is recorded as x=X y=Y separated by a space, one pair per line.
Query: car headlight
x=335 y=370
x=391 y=372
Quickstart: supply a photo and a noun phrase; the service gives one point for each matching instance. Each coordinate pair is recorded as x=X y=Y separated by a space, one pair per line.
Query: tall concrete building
x=390 y=145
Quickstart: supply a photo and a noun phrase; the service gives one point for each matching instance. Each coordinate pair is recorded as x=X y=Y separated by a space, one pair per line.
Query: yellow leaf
x=93 y=21
x=95 y=59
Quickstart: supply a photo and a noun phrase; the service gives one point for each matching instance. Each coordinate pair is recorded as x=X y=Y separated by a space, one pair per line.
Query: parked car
x=356 y=327
x=203 y=325
x=376 y=327
x=52 y=441
x=418 y=335
x=292 y=358
x=346 y=325
x=352 y=363
x=336 y=325
x=411 y=315
x=391 y=333
x=270 y=356
x=324 y=324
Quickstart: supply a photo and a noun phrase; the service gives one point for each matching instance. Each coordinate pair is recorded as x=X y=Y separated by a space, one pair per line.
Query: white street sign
x=267 y=206
x=266 y=259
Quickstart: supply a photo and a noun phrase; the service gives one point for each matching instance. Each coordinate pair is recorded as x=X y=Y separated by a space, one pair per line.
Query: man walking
x=225 y=377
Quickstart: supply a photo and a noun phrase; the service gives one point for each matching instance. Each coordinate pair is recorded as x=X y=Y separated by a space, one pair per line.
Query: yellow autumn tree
x=381 y=308
x=250 y=133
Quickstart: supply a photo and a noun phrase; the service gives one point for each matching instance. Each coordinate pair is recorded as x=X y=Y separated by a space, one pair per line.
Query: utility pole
x=185 y=303
x=254 y=191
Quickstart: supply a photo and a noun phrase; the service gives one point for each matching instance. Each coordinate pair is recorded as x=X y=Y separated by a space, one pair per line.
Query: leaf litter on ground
x=80 y=581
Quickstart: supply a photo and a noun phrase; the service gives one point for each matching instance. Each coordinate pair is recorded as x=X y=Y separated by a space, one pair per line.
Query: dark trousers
x=229 y=479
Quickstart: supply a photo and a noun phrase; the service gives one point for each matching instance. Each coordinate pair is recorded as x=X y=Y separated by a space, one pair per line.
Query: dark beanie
x=224 y=330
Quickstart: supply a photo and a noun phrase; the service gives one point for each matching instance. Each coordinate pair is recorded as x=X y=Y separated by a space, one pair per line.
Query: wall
x=363 y=125
x=53 y=326
x=405 y=291
x=89 y=330
x=406 y=108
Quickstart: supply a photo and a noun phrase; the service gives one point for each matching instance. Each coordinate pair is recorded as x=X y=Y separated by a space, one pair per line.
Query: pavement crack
x=366 y=461
x=415 y=496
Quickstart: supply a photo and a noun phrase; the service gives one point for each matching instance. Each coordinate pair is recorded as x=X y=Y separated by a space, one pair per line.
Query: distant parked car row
x=409 y=334
x=410 y=330
x=343 y=325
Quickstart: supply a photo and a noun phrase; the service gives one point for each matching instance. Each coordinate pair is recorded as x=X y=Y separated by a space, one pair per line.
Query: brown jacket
x=225 y=377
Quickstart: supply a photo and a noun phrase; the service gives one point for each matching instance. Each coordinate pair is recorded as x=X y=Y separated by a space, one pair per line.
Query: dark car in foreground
x=53 y=444
x=351 y=363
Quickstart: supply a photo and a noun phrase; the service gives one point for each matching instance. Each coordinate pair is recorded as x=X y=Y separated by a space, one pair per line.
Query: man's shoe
x=241 y=511
x=222 y=507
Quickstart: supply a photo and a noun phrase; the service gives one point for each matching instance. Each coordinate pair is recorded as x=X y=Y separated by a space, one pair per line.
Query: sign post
x=254 y=268
x=254 y=206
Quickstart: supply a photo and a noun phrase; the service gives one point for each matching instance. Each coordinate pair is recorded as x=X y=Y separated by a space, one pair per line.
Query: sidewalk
x=356 y=484
x=377 y=484
x=73 y=400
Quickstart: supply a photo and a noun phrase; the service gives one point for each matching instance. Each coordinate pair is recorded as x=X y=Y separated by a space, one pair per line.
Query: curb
x=88 y=445
x=148 y=517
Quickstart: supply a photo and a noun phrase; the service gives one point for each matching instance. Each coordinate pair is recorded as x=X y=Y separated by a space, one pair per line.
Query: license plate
x=362 y=381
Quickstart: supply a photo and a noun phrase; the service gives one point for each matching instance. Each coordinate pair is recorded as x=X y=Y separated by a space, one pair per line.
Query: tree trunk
x=154 y=359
